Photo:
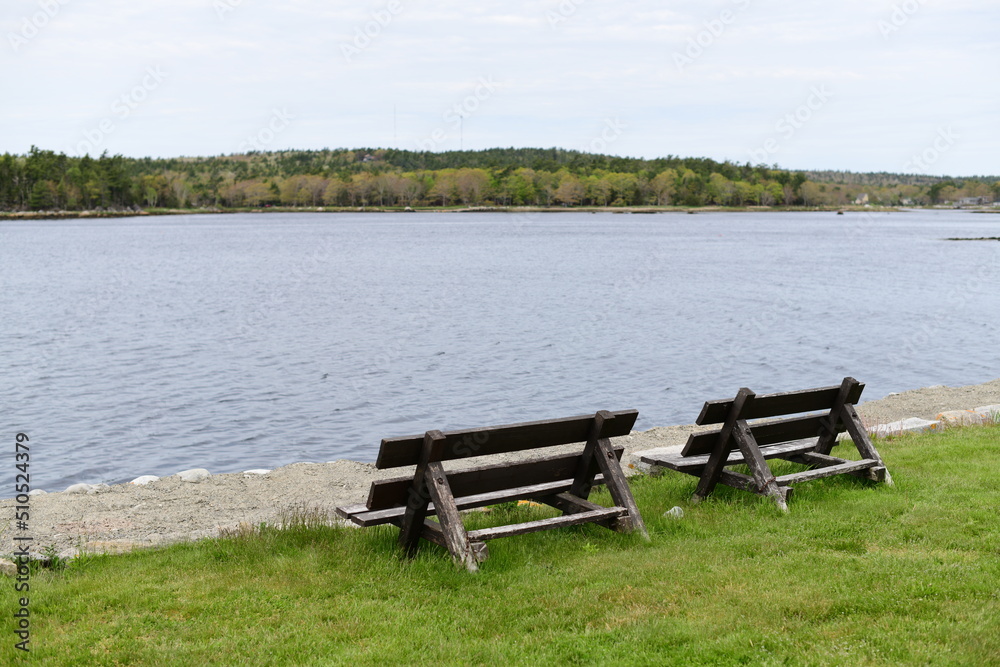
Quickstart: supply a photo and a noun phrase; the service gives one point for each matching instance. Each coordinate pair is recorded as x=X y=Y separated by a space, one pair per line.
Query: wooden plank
x=737 y=480
x=690 y=463
x=362 y=516
x=404 y=451
x=349 y=512
x=746 y=483
x=826 y=471
x=569 y=503
x=484 y=479
x=767 y=433
x=432 y=533
x=816 y=459
x=595 y=516
x=773 y=405
x=451 y=523
x=824 y=460
x=416 y=496
x=720 y=449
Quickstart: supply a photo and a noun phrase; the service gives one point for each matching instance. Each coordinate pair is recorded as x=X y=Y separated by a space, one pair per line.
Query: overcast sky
x=874 y=85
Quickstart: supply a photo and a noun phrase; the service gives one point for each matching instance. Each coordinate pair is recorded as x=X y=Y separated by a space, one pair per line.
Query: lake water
x=150 y=345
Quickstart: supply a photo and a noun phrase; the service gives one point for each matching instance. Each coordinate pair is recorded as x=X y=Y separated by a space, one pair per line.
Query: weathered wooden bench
x=562 y=480
x=804 y=438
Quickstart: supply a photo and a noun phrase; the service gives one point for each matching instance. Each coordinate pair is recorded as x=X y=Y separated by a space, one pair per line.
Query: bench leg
x=451 y=522
x=418 y=498
x=621 y=494
x=828 y=436
x=766 y=483
x=712 y=471
x=864 y=444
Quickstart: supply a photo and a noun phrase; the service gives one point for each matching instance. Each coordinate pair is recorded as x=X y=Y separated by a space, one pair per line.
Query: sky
x=876 y=85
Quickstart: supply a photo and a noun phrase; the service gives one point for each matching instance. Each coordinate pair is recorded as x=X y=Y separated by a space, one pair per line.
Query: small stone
x=36 y=492
x=255 y=471
x=674 y=512
x=8 y=567
x=194 y=475
x=143 y=480
x=79 y=488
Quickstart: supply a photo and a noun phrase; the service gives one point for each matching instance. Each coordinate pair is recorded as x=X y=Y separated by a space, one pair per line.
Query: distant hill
x=44 y=180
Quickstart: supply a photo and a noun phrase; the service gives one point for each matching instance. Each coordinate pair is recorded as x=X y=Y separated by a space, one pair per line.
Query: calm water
x=151 y=345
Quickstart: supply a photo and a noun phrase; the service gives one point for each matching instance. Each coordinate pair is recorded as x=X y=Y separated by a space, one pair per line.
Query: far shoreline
x=515 y=210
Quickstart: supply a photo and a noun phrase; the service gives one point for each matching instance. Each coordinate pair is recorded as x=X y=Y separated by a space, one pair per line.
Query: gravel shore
x=126 y=516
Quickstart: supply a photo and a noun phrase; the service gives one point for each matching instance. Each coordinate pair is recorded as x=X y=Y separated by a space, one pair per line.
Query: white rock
x=992 y=412
x=144 y=480
x=79 y=488
x=194 y=475
x=255 y=471
x=36 y=492
x=909 y=425
x=674 y=512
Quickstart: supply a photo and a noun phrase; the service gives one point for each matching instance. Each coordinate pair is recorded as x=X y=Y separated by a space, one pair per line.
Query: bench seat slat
x=404 y=451
x=594 y=516
x=364 y=517
x=693 y=464
x=773 y=405
x=768 y=433
x=388 y=493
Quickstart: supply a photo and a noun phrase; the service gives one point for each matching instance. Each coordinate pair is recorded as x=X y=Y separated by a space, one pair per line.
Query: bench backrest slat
x=404 y=451
x=767 y=433
x=774 y=405
x=389 y=493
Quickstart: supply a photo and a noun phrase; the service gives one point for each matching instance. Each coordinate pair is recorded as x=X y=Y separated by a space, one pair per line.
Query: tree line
x=44 y=180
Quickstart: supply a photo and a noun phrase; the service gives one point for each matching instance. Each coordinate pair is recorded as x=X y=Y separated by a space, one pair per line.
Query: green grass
x=855 y=574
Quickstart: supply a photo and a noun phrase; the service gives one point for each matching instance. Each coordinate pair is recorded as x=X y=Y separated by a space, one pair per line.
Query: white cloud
x=558 y=80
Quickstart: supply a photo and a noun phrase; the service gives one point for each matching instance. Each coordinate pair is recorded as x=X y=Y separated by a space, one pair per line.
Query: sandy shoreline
x=127 y=516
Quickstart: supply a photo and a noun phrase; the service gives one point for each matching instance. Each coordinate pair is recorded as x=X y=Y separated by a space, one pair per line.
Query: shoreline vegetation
x=514 y=210
x=46 y=184
x=510 y=210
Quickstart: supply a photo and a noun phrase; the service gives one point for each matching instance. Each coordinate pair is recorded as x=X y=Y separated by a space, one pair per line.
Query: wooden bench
x=806 y=439
x=562 y=480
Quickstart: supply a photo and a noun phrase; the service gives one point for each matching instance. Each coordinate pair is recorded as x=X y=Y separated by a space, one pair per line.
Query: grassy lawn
x=854 y=574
